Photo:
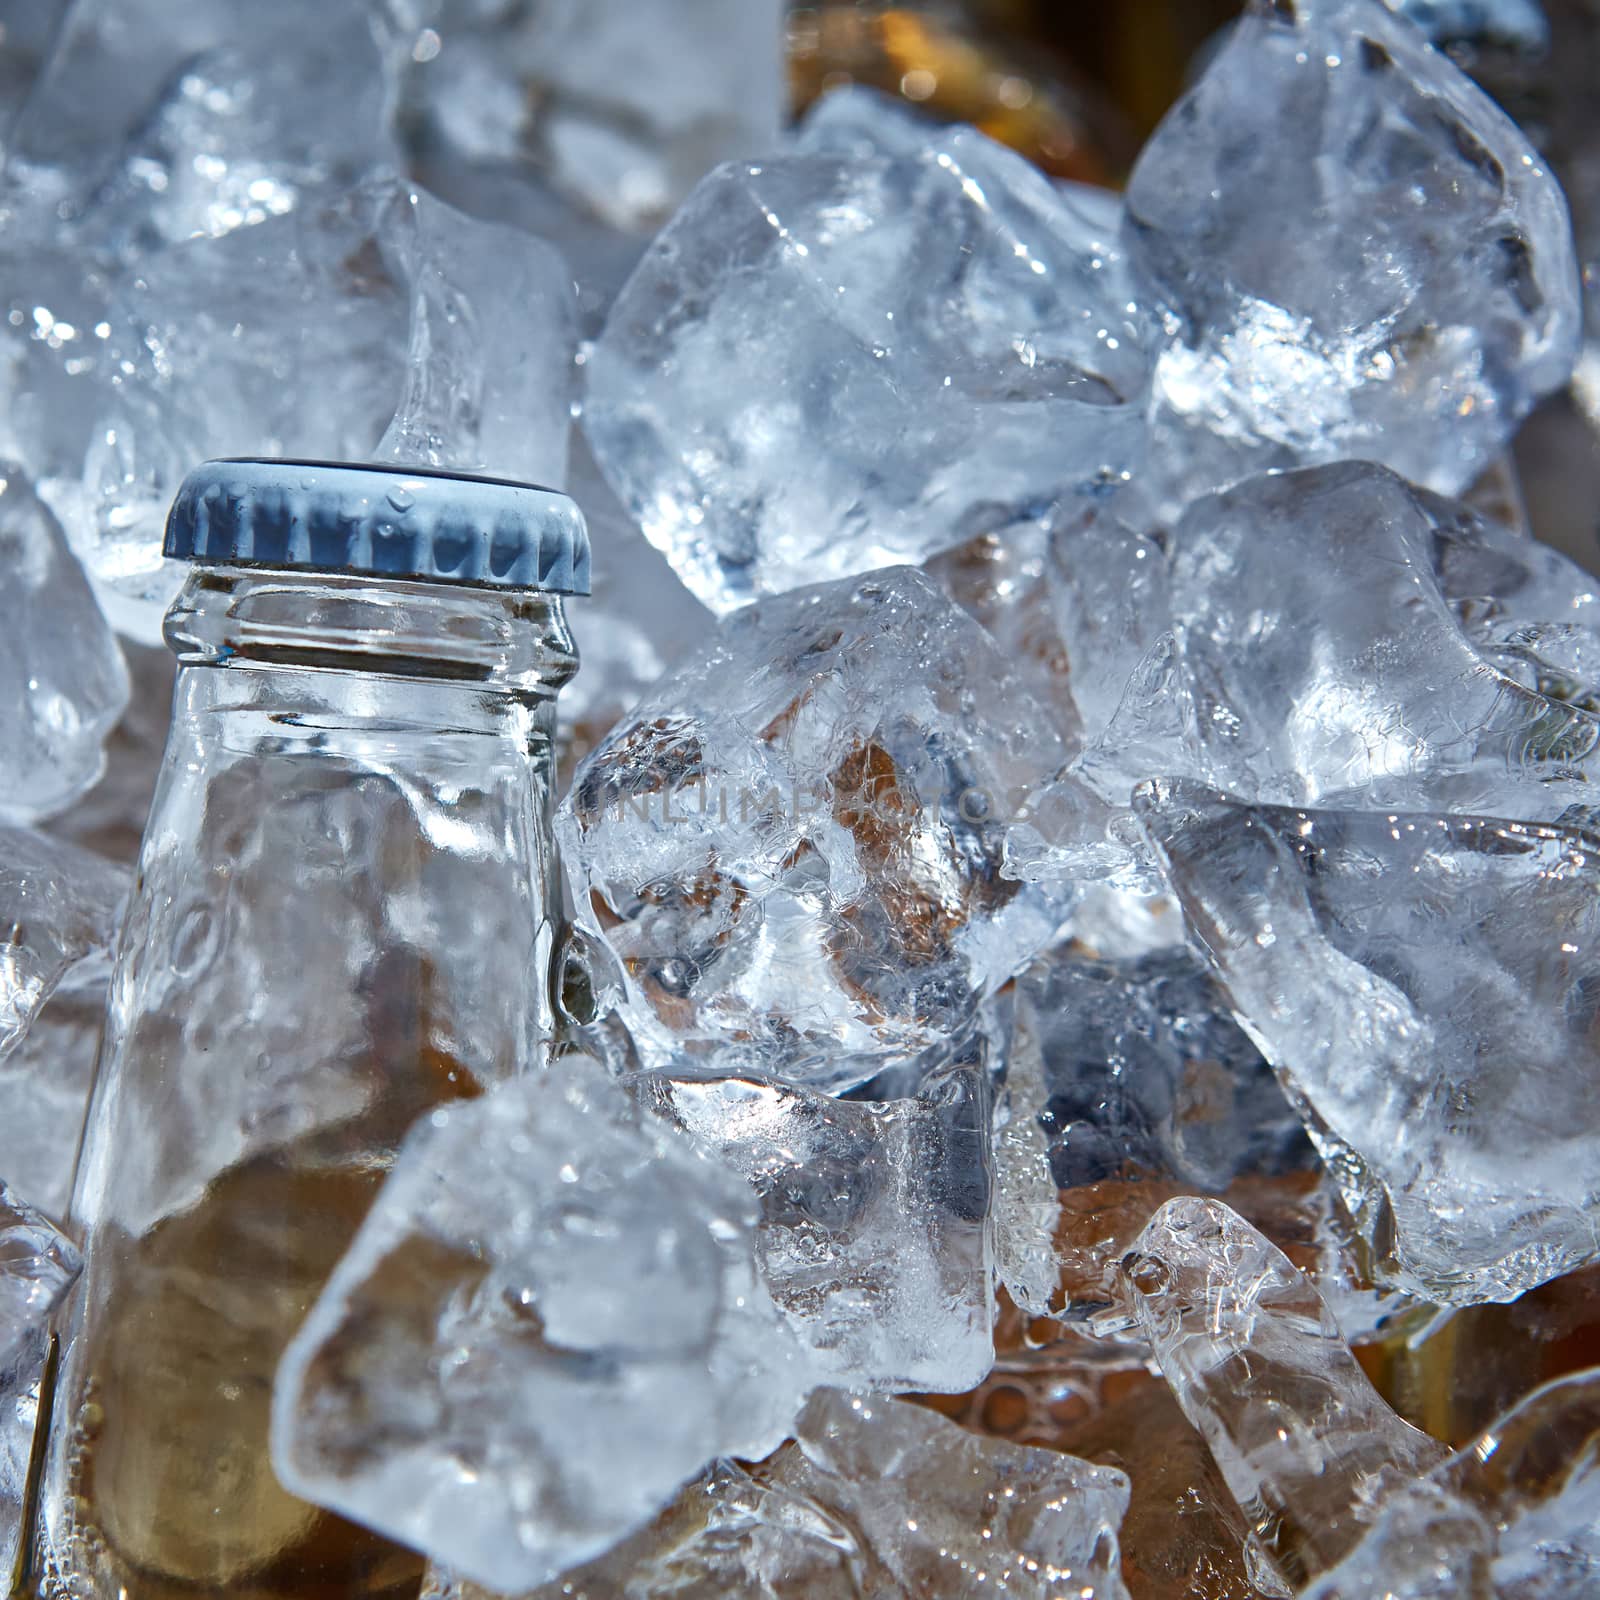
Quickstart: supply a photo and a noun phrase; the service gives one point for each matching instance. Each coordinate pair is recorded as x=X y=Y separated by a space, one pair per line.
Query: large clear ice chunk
x=793 y=842
x=1356 y=254
x=551 y=1319
x=63 y=683
x=1425 y=987
x=624 y=104
x=1342 y=637
x=1307 y=1446
x=876 y=1497
x=789 y=386
x=874 y=1233
x=376 y=324
x=60 y=910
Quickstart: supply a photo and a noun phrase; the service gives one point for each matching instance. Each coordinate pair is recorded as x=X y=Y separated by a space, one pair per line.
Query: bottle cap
x=391 y=522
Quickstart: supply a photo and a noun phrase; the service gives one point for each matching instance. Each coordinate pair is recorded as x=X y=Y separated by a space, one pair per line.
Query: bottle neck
x=514 y=643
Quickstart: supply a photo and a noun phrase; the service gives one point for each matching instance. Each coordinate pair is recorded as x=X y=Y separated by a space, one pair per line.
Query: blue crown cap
x=390 y=522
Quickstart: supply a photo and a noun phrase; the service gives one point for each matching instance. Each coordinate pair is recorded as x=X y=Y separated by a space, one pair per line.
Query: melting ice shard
x=483 y=1376
x=62 y=679
x=873 y=1240
x=793 y=842
x=877 y=1497
x=1306 y=1444
x=790 y=385
x=1425 y=987
x=1355 y=251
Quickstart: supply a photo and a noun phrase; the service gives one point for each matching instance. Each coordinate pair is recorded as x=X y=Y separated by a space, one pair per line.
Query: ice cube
x=1145 y=1072
x=1356 y=252
x=873 y=1240
x=38 y=1265
x=62 y=679
x=790 y=385
x=793 y=842
x=637 y=621
x=1425 y=987
x=550 y=1320
x=623 y=103
x=60 y=910
x=876 y=1497
x=1260 y=1367
x=297 y=90
x=1344 y=638
x=1510 y=1516
x=378 y=324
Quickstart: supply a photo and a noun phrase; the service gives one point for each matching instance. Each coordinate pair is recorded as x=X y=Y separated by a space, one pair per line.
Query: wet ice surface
x=1424 y=986
x=621 y=104
x=1306 y=1444
x=876 y=1497
x=873 y=1239
x=865 y=853
x=60 y=910
x=1356 y=253
x=63 y=684
x=793 y=842
x=38 y=1265
x=511 y=1419
x=788 y=386
x=1340 y=631
x=361 y=325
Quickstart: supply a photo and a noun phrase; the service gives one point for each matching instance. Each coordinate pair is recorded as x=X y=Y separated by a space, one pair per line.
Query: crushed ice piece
x=623 y=104
x=483 y=1376
x=38 y=1264
x=875 y=1497
x=63 y=684
x=793 y=841
x=1511 y=1516
x=60 y=911
x=873 y=1240
x=378 y=324
x=1343 y=638
x=1306 y=1444
x=789 y=386
x=1425 y=988
x=1356 y=254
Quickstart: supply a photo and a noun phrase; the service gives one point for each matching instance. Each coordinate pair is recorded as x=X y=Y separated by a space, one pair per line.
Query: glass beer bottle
x=345 y=915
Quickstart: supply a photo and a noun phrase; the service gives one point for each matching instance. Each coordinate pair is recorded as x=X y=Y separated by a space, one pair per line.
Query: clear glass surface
x=345 y=915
